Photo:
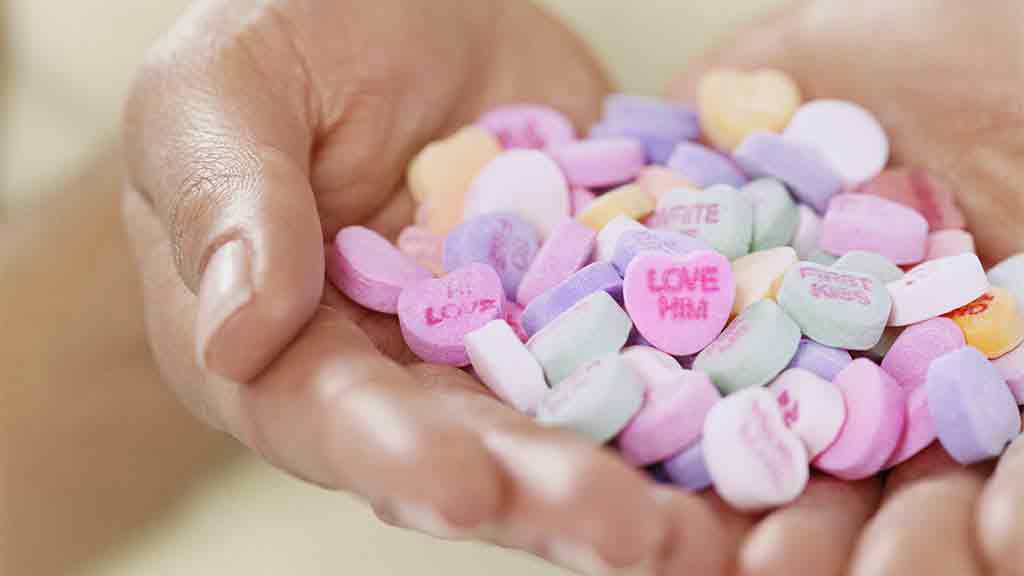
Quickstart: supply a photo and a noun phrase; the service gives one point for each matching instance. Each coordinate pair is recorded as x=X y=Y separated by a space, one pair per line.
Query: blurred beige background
x=226 y=513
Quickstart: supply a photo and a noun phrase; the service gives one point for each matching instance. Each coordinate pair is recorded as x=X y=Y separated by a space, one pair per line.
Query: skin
x=268 y=126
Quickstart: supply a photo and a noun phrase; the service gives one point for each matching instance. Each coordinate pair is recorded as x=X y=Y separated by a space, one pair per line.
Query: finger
x=925 y=526
x=697 y=541
x=1000 y=510
x=331 y=410
x=564 y=498
x=219 y=143
x=816 y=534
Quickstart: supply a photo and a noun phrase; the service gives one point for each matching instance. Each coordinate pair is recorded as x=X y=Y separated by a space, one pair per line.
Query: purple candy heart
x=805 y=171
x=653 y=115
x=503 y=241
x=705 y=167
x=819 y=359
x=549 y=305
x=687 y=469
x=634 y=242
x=974 y=413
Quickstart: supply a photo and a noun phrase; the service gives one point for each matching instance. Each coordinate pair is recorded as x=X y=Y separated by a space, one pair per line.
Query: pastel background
x=161 y=496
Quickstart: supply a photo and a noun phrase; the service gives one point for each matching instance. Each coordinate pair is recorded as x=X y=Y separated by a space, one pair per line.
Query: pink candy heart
x=435 y=315
x=679 y=303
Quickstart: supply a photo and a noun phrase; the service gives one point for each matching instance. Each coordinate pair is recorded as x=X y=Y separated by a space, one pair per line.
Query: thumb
x=220 y=151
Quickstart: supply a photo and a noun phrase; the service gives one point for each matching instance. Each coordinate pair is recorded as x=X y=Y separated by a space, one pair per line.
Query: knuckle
x=213 y=176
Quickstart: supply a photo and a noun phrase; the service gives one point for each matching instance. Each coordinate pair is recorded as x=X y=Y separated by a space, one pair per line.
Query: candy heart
x=776 y=217
x=505 y=366
x=875 y=409
x=734 y=104
x=436 y=314
x=528 y=126
x=600 y=163
x=650 y=364
x=811 y=406
x=803 y=169
x=705 y=167
x=819 y=359
x=364 y=266
x=630 y=200
x=652 y=115
x=566 y=251
x=592 y=328
x=440 y=175
x=755 y=347
x=974 y=412
x=597 y=400
x=754 y=460
x=719 y=216
x=862 y=151
x=670 y=419
x=688 y=469
x=599 y=276
x=526 y=182
x=935 y=288
x=679 y=303
x=838 y=309
x=918 y=428
x=864 y=222
x=917 y=347
x=756 y=273
x=504 y=242
x=991 y=323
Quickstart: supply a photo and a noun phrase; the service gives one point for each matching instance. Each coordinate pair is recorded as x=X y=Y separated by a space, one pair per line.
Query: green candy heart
x=720 y=216
x=755 y=347
x=835 y=308
x=776 y=216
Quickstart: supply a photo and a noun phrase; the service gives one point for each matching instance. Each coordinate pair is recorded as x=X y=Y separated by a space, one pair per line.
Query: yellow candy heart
x=991 y=323
x=735 y=104
x=630 y=200
x=757 y=274
x=440 y=175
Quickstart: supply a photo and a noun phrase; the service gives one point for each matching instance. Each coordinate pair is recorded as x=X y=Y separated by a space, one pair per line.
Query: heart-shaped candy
x=754 y=460
x=679 y=303
x=734 y=104
x=838 y=309
x=439 y=177
x=526 y=182
x=436 y=314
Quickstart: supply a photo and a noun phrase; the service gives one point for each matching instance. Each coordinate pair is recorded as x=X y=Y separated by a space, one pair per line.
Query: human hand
x=944 y=78
x=254 y=133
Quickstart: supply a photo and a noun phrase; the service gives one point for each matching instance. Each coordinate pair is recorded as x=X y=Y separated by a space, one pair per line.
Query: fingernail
x=225 y=288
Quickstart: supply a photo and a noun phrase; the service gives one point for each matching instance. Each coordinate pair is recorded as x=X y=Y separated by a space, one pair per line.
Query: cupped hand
x=944 y=77
x=255 y=132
